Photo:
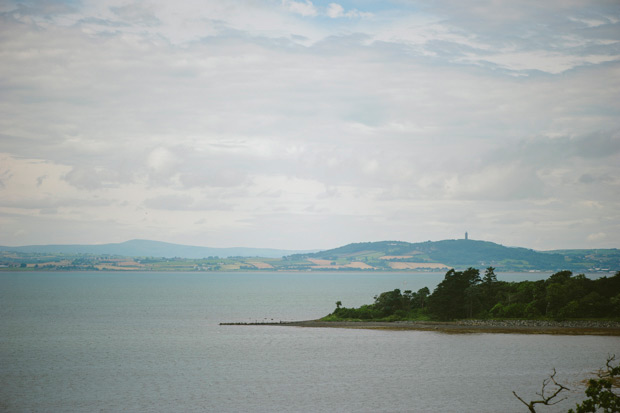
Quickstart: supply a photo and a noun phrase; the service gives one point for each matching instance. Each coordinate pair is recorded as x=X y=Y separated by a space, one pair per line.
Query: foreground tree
x=602 y=392
x=546 y=398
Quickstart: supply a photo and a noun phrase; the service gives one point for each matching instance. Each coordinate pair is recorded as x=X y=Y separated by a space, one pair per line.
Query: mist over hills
x=146 y=248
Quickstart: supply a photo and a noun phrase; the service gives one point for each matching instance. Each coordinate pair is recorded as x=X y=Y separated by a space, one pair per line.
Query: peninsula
x=464 y=303
x=576 y=328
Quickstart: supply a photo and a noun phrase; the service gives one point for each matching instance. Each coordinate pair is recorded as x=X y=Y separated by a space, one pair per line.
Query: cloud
x=398 y=124
x=48 y=203
x=44 y=8
x=589 y=179
x=550 y=37
x=91 y=178
x=40 y=180
x=170 y=202
x=597 y=237
x=305 y=8
x=177 y=202
x=218 y=177
x=136 y=13
x=544 y=61
x=498 y=182
x=562 y=149
x=5 y=173
x=162 y=165
x=335 y=10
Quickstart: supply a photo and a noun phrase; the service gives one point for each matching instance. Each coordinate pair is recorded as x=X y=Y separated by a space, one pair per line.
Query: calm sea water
x=133 y=342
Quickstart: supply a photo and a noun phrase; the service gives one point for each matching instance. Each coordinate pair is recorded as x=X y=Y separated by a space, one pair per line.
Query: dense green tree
x=462 y=294
x=489 y=276
x=421 y=297
x=450 y=300
x=602 y=392
x=555 y=299
x=560 y=277
x=390 y=302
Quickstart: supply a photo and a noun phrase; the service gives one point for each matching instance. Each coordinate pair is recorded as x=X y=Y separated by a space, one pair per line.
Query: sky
x=300 y=124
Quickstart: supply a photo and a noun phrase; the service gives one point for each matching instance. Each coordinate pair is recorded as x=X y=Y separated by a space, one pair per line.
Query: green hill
x=365 y=256
x=464 y=253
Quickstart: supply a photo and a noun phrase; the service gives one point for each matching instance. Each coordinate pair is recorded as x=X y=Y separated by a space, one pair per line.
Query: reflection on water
x=151 y=342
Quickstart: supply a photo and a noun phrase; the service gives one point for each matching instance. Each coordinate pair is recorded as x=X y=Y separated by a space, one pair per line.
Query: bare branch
x=546 y=400
x=610 y=368
x=529 y=405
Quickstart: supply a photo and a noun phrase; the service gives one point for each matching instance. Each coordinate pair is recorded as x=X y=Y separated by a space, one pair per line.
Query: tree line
x=465 y=294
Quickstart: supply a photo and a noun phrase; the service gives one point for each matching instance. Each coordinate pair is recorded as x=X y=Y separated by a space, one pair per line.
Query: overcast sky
x=310 y=124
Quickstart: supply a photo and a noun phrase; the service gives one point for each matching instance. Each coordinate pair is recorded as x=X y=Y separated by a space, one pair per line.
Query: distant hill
x=364 y=256
x=464 y=253
x=145 y=248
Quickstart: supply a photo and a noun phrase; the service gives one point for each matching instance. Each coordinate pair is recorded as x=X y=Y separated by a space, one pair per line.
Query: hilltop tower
x=466 y=236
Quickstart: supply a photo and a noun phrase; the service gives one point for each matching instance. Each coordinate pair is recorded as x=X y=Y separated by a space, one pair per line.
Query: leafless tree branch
x=546 y=400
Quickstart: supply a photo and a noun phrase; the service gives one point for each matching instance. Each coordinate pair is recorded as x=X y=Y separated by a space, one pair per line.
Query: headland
x=597 y=328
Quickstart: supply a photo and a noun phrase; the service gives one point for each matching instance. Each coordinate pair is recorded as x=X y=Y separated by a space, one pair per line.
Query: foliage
x=456 y=296
x=463 y=294
x=600 y=391
x=388 y=306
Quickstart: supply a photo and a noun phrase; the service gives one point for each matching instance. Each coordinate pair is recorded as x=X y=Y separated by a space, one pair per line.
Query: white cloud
x=182 y=202
x=136 y=13
x=550 y=62
x=305 y=8
x=238 y=115
x=162 y=164
x=85 y=177
x=335 y=10
x=599 y=236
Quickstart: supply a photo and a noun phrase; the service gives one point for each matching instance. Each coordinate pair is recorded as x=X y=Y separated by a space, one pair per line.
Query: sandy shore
x=467 y=326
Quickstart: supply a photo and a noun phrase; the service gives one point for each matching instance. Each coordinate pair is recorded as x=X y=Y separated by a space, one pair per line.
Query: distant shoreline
x=380 y=256
x=28 y=270
x=597 y=328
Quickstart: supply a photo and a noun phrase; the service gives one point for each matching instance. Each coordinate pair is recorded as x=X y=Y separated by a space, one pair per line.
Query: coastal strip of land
x=597 y=328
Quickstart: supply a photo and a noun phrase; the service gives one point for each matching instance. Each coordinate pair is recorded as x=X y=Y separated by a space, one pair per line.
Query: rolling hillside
x=142 y=255
x=463 y=253
x=146 y=248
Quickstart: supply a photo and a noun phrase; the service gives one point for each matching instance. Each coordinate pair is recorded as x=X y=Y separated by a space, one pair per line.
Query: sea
x=151 y=342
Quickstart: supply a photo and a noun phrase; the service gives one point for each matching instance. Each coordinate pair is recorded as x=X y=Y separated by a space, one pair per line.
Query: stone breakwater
x=540 y=323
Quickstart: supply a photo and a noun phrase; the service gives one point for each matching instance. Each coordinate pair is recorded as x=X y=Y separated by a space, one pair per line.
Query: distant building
x=466 y=236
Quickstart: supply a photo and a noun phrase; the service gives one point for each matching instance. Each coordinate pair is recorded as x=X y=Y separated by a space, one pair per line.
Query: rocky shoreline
x=604 y=328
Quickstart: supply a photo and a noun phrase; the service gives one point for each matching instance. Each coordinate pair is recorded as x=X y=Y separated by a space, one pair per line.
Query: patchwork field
x=396 y=257
x=260 y=265
x=332 y=265
x=416 y=265
x=368 y=256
